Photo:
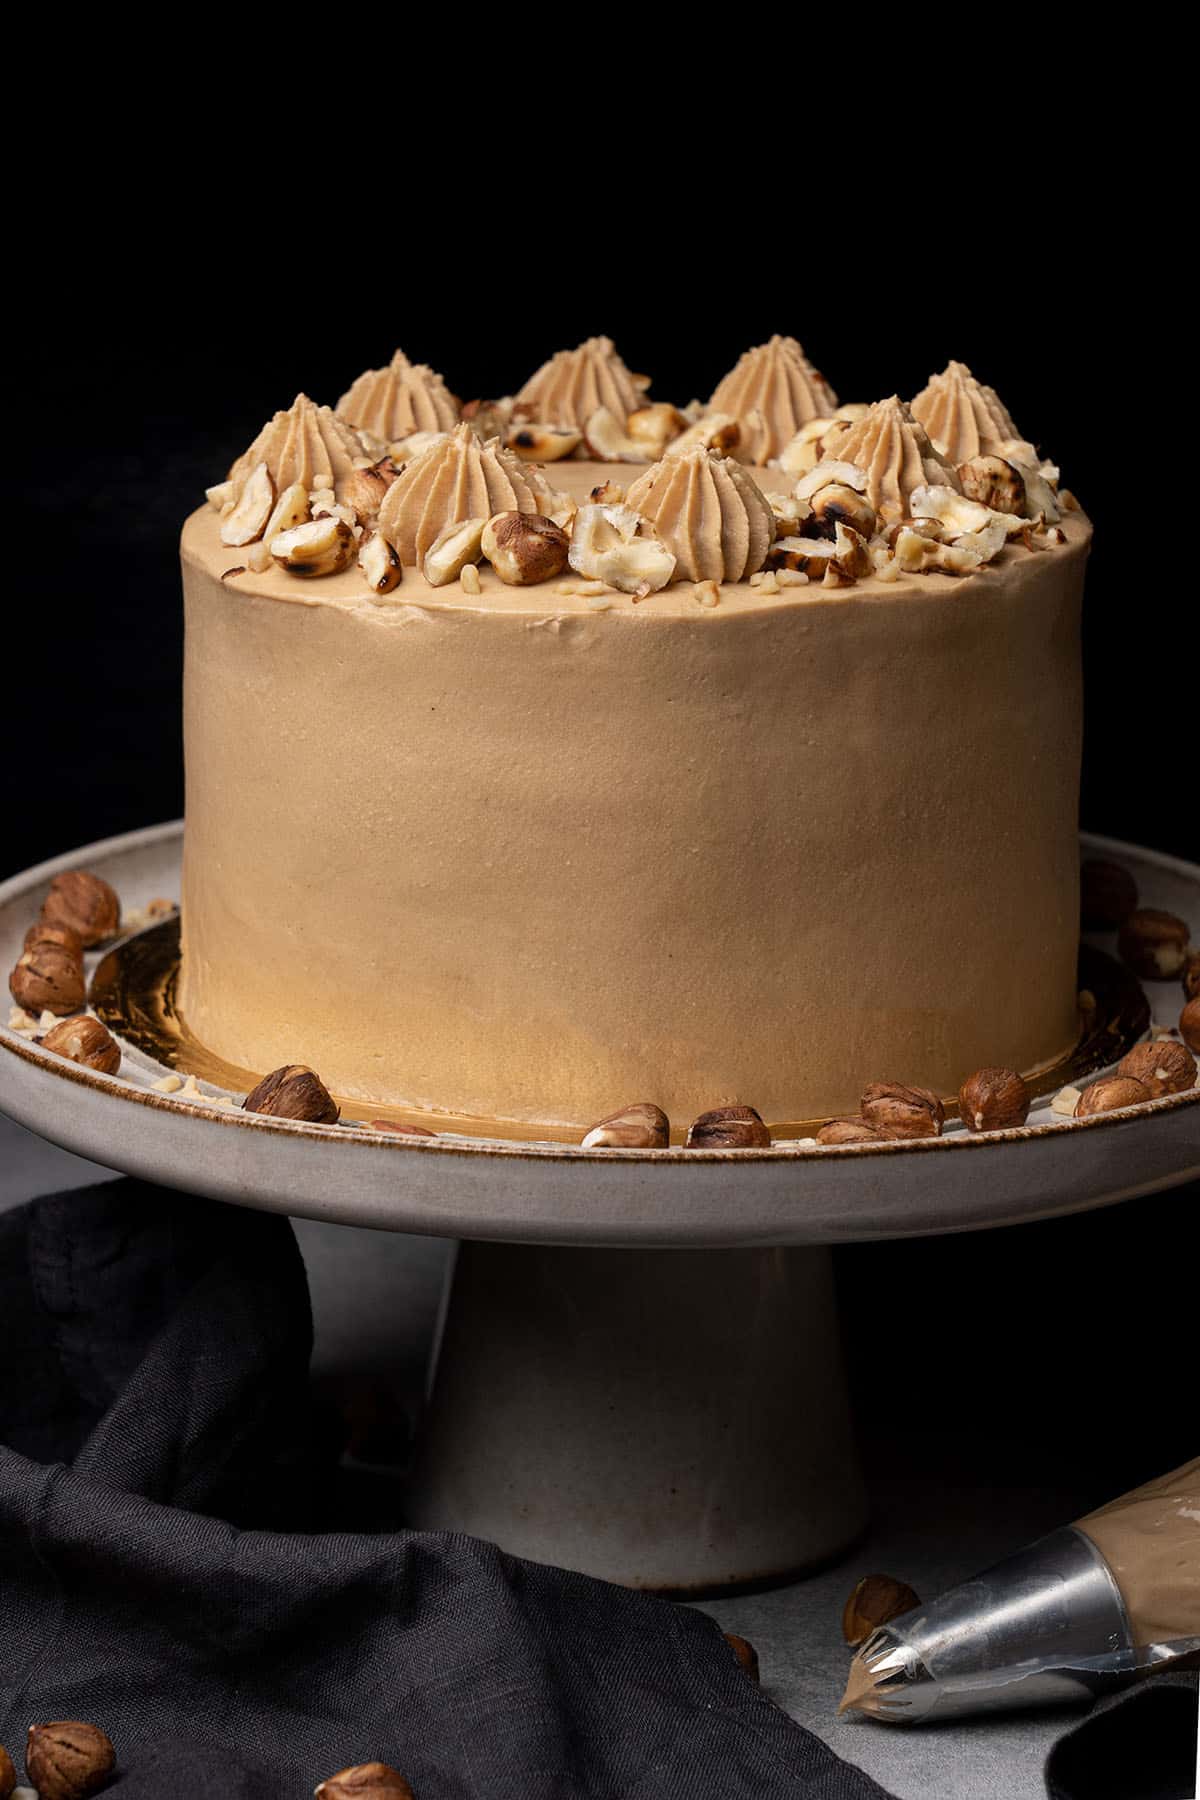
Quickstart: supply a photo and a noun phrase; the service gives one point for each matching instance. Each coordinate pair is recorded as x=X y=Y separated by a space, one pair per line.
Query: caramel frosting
x=460 y=477
x=574 y=384
x=772 y=390
x=308 y=444
x=893 y=451
x=397 y=401
x=962 y=417
x=709 y=512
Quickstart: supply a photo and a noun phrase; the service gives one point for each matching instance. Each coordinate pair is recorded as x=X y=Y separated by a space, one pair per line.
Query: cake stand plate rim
x=609 y=1185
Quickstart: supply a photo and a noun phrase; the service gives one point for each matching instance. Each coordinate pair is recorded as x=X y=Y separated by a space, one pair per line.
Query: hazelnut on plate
x=1189 y=1024
x=848 y=1131
x=1162 y=1067
x=1190 y=978
x=642 y=1126
x=48 y=978
x=728 y=1128
x=85 y=903
x=897 y=1111
x=1110 y=1094
x=67 y=1759
x=85 y=1040
x=1107 y=895
x=68 y=939
x=1154 y=944
x=293 y=1092
x=993 y=1100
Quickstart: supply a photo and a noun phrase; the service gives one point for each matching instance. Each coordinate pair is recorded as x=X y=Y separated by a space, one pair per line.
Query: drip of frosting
x=709 y=511
x=896 y=456
x=308 y=444
x=458 y=478
x=963 y=417
x=773 y=390
x=397 y=401
x=574 y=384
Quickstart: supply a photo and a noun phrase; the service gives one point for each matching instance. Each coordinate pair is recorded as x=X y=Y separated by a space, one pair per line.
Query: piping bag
x=1091 y=1607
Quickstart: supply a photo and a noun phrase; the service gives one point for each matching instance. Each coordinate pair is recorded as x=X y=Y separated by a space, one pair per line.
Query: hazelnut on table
x=745 y=1652
x=8 y=1775
x=366 y=1781
x=875 y=1600
x=67 y=1759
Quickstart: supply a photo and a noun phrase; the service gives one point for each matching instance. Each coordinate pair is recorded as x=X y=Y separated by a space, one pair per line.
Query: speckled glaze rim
x=372 y=1142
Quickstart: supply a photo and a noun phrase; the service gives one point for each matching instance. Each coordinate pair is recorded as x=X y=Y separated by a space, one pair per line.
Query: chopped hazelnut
x=525 y=548
x=246 y=521
x=1163 y=1067
x=85 y=903
x=85 y=1040
x=993 y=1100
x=837 y=504
x=293 y=1092
x=323 y=546
x=1107 y=895
x=1109 y=1094
x=994 y=483
x=48 y=978
x=642 y=1126
x=68 y=1760
x=451 y=551
x=1154 y=944
x=379 y=564
x=543 y=443
x=728 y=1128
x=897 y=1111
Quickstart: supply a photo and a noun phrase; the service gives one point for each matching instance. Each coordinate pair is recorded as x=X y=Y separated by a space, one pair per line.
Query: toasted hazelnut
x=293 y=1092
x=48 y=978
x=995 y=483
x=823 y=474
x=1189 y=1024
x=1109 y=1094
x=65 y=936
x=615 y=544
x=605 y=439
x=655 y=426
x=993 y=1100
x=85 y=1040
x=543 y=443
x=1154 y=944
x=85 y=903
x=836 y=505
x=469 y=579
x=220 y=497
x=366 y=1781
x=488 y=418
x=642 y=1126
x=68 y=1760
x=1107 y=895
x=728 y=1128
x=848 y=1131
x=525 y=548
x=323 y=546
x=379 y=564
x=248 y=518
x=897 y=1111
x=745 y=1652
x=364 y=489
x=608 y=493
x=875 y=1600
x=1190 y=978
x=290 y=509
x=452 y=549
x=8 y=1775
x=1163 y=1067
x=712 y=431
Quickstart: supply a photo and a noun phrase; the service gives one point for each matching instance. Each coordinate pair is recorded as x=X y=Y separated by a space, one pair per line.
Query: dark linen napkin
x=171 y=1566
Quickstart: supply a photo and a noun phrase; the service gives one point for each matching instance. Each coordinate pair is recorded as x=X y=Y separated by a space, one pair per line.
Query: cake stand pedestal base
x=666 y=1419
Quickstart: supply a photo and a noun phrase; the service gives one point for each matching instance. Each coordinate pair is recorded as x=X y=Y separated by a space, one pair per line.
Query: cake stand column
x=668 y=1419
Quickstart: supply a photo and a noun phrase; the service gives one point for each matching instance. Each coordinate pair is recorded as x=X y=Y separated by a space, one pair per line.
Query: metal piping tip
x=885 y=1681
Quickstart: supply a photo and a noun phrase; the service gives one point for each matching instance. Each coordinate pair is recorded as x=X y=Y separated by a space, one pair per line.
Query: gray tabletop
x=927 y=1531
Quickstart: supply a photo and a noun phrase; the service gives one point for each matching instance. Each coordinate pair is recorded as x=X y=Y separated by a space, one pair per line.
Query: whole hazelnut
x=84 y=902
x=1162 y=1067
x=875 y=1600
x=67 y=1760
x=1154 y=944
x=366 y=1781
x=897 y=1111
x=40 y=932
x=1107 y=895
x=1189 y=1024
x=524 y=548
x=8 y=1775
x=85 y=1040
x=1109 y=1094
x=642 y=1126
x=48 y=979
x=1190 y=978
x=848 y=1131
x=364 y=489
x=293 y=1092
x=836 y=505
x=745 y=1652
x=728 y=1128
x=993 y=1100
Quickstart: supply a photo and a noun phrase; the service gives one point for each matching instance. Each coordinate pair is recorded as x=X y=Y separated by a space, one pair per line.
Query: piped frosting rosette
x=896 y=456
x=575 y=384
x=458 y=478
x=709 y=512
x=307 y=444
x=772 y=391
x=396 y=402
x=965 y=418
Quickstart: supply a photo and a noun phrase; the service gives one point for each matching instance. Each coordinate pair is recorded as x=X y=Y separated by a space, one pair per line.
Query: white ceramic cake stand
x=640 y=1372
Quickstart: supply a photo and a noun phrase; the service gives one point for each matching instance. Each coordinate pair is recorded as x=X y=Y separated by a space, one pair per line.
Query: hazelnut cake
x=548 y=752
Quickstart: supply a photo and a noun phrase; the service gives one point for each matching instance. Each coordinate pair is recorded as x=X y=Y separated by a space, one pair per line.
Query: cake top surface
x=581 y=485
